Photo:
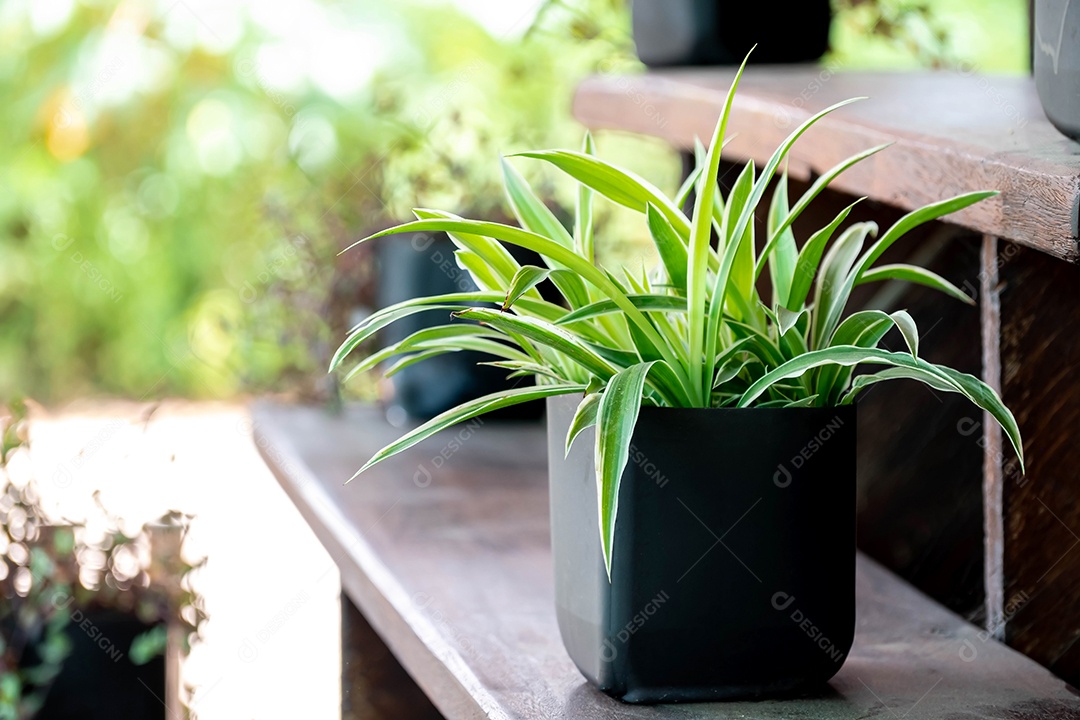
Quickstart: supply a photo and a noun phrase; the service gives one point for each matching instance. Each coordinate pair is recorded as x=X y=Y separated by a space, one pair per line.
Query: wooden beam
x=951 y=132
x=454 y=572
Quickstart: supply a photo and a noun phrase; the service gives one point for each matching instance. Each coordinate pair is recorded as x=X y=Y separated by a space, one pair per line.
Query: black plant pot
x=421 y=264
x=1056 y=50
x=733 y=573
x=721 y=32
x=98 y=679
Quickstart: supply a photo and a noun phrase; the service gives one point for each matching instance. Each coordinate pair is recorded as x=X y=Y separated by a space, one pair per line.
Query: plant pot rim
x=763 y=410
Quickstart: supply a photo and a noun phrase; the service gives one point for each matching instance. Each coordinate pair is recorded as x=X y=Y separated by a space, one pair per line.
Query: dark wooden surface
x=953 y=132
x=374 y=686
x=920 y=485
x=445 y=549
x=1039 y=350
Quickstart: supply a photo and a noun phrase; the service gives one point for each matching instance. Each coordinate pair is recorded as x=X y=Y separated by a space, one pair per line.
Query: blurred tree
x=177 y=178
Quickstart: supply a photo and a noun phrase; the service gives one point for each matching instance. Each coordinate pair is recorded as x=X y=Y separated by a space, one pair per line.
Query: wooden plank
x=1040 y=352
x=953 y=132
x=445 y=549
x=993 y=482
x=920 y=510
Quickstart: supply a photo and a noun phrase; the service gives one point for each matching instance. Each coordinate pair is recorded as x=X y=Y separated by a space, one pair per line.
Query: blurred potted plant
x=1057 y=63
x=721 y=32
x=87 y=618
x=710 y=409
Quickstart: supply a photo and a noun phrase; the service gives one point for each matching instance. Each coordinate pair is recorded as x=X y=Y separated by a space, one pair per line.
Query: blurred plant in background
x=178 y=177
x=54 y=572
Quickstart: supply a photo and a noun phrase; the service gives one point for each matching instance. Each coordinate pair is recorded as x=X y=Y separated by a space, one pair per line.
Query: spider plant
x=695 y=332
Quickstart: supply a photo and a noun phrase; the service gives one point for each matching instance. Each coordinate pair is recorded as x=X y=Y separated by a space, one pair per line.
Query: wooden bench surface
x=954 y=132
x=445 y=549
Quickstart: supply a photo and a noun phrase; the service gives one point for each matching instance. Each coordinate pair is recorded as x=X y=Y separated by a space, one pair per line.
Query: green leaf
x=865 y=328
x=528 y=277
x=550 y=249
x=907 y=327
x=520 y=368
x=740 y=280
x=769 y=171
x=615 y=422
x=671 y=247
x=530 y=210
x=379 y=320
x=984 y=396
x=917 y=275
x=683 y=193
x=919 y=217
x=901 y=227
x=784 y=258
x=535 y=216
x=620 y=186
x=544 y=333
x=479 y=271
x=786 y=319
x=584 y=417
x=806 y=266
x=726 y=373
x=494 y=254
x=466 y=411
x=644 y=303
x=847 y=355
x=832 y=291
x=745 y=218
x=416 y=357
x=861 y=382
x=820 y=184
x=698 y=256
x=583 y=215
x=447 y=338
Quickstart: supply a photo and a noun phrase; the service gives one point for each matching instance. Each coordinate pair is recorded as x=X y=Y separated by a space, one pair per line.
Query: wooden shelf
x=953 y=132
x=445 y=549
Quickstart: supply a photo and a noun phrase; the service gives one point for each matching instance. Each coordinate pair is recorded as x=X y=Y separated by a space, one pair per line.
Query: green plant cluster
x=696 y=332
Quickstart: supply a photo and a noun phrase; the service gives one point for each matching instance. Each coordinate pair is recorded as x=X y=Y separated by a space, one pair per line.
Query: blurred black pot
x=99 y=679
x=721 y=32
x=1056 y=48
x=422 y=264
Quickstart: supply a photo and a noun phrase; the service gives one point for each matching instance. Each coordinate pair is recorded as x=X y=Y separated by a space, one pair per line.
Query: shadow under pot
x=721 y=32
x=733 y=570
x=1057 y=63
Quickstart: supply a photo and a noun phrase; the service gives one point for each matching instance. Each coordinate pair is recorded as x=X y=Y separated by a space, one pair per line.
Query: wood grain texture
x=993 y=482
x=445 y=549
x=953 y=132
x=920 y=478
x=1040 y=353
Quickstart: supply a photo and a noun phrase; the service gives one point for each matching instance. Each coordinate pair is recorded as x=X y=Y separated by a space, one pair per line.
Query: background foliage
x=176 y=178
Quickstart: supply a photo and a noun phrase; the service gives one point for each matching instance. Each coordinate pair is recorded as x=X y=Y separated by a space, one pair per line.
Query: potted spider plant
x=701 y=435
